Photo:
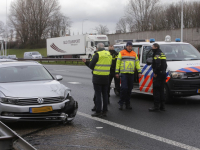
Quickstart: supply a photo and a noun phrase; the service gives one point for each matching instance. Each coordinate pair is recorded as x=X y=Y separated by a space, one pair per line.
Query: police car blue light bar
x=178 y=40
x=152 y=40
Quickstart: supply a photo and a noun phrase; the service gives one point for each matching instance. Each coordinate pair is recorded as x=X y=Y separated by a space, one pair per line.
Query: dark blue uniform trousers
x=126 y=88
x=101 y=89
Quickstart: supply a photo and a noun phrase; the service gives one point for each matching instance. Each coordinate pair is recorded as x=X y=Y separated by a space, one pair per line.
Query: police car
x=183 y=71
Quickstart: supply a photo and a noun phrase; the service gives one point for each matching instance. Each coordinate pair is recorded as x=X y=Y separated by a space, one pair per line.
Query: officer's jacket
x=127 y=62
x=100 y=64
x=103 y=65
x=159 y=64
x=114 y=55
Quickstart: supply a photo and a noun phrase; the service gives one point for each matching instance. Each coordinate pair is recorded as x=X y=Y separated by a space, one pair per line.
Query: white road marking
x=59 y=70
x=74 y=82
x=99 y=127
x=139 y=132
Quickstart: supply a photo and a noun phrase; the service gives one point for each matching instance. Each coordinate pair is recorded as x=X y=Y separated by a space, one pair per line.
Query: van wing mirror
x=149 y=61
x=92 y=44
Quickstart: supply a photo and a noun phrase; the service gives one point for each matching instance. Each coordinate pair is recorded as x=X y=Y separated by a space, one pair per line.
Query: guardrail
x=54 y=60
x=10 y=140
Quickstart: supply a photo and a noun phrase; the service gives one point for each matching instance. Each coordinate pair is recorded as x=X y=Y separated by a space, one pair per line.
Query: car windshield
x=106 y=43
x=179 y=52
x=118 y=48
x=23 y=74
x=35 y=53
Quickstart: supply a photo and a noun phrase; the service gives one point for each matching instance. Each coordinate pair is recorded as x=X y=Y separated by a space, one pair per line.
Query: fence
x=48 y=60
x=191 y=35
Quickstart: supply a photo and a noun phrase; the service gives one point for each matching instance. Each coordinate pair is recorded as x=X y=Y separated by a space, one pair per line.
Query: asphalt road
x=136 y=129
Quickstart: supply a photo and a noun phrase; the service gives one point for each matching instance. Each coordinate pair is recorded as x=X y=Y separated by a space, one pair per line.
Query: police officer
x=159 y=66
x=112 y=72
x=127 y=61
x=100 y=64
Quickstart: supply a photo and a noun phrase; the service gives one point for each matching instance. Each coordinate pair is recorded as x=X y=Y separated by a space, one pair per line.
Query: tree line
x=152 y=15
x=32 y=21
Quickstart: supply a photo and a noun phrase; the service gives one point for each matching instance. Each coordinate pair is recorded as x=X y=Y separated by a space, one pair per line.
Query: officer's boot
x=162 y=107
x=94 y=108
x=154 y=108
x=128 y=106
x=108 y=100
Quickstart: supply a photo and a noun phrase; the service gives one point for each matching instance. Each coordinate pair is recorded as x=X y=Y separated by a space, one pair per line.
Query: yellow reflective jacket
x=103 y=65
x=127 y=62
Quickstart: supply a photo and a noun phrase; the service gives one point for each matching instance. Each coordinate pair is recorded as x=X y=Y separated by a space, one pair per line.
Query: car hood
x=183 y=66
x=33 y=89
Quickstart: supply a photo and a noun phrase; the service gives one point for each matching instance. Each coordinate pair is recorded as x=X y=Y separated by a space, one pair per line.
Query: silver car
x=28 y=92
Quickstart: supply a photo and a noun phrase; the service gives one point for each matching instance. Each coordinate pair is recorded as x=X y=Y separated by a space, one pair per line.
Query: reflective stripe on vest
x=103 y=65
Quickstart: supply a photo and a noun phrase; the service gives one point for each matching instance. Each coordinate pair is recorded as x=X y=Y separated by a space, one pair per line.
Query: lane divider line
x=139 y=132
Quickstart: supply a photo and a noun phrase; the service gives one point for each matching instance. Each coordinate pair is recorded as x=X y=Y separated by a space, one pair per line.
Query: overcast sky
x=105 y=12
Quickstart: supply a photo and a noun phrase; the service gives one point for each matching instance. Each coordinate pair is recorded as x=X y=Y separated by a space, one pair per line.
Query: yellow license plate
x=41 y=109
x=198 y=91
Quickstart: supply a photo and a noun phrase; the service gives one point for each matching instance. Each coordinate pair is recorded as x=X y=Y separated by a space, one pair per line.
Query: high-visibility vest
x=103 y=65
x=127 y=62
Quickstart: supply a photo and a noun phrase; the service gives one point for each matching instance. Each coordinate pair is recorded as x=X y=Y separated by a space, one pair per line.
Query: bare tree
x=101 y=29
x=59 y=25
x=140 y=11
x=32 y=19
x=2 y=28
x=122 y=25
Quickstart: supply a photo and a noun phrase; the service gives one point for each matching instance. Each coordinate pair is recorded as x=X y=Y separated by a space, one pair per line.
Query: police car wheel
x=168 y=97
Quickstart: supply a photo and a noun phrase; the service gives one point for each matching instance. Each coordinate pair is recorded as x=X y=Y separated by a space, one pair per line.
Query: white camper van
x=75 y=45
x=32 y=55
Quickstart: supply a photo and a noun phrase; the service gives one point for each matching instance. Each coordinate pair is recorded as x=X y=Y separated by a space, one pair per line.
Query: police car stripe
x=148 y=72
x=198 y=70
x=149 y=85
x=143 y=84
x=145 y=71
x=191 y=69
x=144 y=68
x=185 y=70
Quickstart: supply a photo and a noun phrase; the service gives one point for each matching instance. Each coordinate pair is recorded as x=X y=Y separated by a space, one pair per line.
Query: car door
x=146 y=81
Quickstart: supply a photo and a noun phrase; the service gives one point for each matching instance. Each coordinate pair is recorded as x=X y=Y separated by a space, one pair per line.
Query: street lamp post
x=6 y=32
x=182 y=23
x=82 y=24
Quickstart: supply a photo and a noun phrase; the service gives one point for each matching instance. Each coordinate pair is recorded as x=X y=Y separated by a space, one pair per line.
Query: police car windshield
x=180 y=52
x=118 y=48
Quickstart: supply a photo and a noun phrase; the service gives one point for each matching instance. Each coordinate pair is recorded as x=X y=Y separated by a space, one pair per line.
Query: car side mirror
x=149 y=61
x=59 y=77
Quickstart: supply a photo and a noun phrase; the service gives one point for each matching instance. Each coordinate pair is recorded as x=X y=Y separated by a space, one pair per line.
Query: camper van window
x=106 y=43
x=35 y=53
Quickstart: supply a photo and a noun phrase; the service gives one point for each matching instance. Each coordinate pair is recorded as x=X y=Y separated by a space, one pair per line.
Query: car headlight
x=8 y=100
x=178 y=75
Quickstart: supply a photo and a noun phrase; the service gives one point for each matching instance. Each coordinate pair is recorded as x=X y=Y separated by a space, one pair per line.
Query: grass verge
x=20 y=52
